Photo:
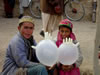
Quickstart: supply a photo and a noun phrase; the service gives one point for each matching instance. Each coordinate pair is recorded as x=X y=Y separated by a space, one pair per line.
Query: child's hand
x=67 y=67
x=50 y=67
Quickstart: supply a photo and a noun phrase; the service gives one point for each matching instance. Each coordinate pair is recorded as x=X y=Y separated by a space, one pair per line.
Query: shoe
x=20 y=16
x=8 y=16
x=42 y=33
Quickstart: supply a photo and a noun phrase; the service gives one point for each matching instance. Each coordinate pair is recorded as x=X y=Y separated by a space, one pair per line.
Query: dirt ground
x=84 y=30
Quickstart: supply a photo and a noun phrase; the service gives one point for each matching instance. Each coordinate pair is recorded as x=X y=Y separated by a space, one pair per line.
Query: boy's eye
x=28 y=27
x=31 y=27
x=25 y=27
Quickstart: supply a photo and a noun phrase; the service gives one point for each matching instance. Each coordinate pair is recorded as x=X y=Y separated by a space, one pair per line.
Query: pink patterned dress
x=75 y=70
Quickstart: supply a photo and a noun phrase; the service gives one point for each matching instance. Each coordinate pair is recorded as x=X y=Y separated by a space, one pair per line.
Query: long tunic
x=16 y=56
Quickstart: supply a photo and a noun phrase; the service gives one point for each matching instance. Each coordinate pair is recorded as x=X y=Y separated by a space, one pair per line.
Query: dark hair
x=66 y=27
x=21 y=24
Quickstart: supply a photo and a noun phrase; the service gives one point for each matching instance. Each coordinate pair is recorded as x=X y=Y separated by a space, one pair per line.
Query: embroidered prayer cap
x=67 y=23
x=26 y=19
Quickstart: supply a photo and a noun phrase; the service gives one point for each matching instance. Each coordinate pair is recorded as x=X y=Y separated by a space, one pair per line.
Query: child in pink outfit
x=65 y=31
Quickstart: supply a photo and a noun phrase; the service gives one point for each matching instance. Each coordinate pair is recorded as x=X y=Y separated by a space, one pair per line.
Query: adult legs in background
x=21 y=9
x=50 y=22
x=8 y=8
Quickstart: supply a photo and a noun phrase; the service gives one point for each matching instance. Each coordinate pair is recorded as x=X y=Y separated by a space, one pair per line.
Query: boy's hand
x=50 y=67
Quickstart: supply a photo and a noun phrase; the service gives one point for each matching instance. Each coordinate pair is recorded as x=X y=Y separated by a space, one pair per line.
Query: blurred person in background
x=22 y=4
x=8 y=8
x=52 y=11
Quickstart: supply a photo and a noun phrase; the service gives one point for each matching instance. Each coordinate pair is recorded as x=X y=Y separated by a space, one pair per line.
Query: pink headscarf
x=68 y=23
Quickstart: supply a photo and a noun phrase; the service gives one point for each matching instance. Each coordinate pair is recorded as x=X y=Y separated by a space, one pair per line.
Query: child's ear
x=18 y=27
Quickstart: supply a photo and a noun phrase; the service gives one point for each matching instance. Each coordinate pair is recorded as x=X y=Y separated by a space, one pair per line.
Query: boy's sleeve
x=80 y=58
x=19 y=54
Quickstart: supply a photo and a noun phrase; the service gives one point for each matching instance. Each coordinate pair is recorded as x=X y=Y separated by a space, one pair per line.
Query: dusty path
x=85 y=33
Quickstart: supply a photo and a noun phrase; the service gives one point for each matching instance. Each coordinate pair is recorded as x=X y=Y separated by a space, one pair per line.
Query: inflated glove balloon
x=68 y=52
x=47 y=51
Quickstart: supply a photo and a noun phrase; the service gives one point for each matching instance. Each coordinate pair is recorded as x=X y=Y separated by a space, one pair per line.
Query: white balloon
x=68 y=53
x=47 y=52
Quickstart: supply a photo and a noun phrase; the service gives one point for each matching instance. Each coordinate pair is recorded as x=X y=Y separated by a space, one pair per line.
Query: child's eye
x=66 y=31
x=26 y=27
x=62 y=31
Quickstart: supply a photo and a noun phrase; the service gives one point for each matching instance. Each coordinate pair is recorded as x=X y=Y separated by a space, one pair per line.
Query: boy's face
x=26 y=29
x=64 y=32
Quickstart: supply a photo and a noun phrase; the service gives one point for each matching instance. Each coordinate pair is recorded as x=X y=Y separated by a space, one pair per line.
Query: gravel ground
x=84 y=30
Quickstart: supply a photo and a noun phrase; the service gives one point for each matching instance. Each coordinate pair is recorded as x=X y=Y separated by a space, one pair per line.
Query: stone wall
x=87 y=4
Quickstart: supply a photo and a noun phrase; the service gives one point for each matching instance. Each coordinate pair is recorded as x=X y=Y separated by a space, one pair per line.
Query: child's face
x=26 y=29
x=64 y=32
